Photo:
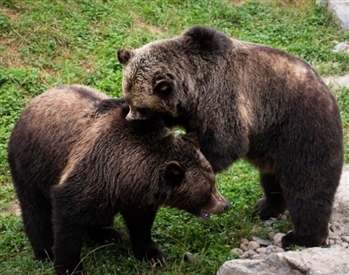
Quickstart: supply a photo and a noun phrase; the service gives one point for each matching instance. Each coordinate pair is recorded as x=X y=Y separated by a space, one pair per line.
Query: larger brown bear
x=249 y=101
x=76 y=161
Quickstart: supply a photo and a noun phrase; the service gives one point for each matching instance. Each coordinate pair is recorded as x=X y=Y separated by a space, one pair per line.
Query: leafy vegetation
x=47 y=43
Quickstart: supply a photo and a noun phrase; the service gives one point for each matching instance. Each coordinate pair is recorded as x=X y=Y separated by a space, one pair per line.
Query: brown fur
x=249 y=101
x=76 y=162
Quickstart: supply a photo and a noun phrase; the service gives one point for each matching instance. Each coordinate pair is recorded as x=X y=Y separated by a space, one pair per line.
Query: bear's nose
x=227 y=206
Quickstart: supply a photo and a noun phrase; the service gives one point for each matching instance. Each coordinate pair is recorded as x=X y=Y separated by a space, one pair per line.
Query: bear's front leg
x=139 y=224
x=273 y=203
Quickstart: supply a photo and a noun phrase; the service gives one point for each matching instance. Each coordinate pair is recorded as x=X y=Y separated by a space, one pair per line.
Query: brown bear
x=76 y=162
x=250 y=101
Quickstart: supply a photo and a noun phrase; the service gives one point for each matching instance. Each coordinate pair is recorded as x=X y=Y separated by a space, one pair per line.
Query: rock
x=261 y=241
x=261 y=250
x=237 y=251
x=342 y=47
x=340 y=214
x=189 y=257
x=243 y=247
x=345 y=239
x=336 y=228
x=337 y=82
x=319 y=261
x=277 y=239
x=248 y=254
x=341 y=10
x=253 y=245
x=244 y=241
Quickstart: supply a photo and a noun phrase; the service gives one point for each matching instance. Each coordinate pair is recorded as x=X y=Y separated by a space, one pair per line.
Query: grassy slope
x=47 y=43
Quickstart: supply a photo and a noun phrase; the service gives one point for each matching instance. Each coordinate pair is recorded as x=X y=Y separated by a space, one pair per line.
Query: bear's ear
x=124 y=56
x=163 y=87
x=174 y=174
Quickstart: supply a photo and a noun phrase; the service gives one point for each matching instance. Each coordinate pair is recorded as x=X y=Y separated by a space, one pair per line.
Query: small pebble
x=243 y=247
x=261 y=250
x=277 y=239
x=258 y=257
x=336 y=228
x=345 y=244
x=345 y=239
x=237 y=251
x=261 y=241
x=189 y=257
x=252 y=245
x=284 y=217
x=244 y=241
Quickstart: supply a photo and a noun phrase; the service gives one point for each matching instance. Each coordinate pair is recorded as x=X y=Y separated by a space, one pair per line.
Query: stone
x=342 y=47
x=337 y=82
x=277 y=239
x=253 y=245
x=243 y=247
x=244 y=241
x=261 y=250
x=189 y=257
x=341 y=10
x=237 y=251
x=340 y=214
x=261 y=241
x=248 y=254
x=317 y=261
x=345 y=239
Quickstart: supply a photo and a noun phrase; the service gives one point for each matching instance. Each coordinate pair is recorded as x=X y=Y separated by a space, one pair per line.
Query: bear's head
x=161 y=77
x=187 y=180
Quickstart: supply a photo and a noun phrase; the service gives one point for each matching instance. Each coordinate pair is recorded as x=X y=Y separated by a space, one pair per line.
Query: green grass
x=47 y=43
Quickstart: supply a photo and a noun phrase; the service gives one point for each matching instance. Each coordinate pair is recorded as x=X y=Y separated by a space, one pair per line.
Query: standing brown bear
x=249 y=101
x=76 y=161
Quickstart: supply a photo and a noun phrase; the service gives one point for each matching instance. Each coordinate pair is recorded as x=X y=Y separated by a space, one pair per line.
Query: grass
x=47 y=43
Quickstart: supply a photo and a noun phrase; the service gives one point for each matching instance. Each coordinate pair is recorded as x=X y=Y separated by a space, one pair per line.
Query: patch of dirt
x=14 y=209
x=10 y=56
x=10 y=13
x=148 y=28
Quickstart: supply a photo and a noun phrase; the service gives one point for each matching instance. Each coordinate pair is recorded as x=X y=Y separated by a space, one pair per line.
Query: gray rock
x=315 y=261
x=342 y=47
x=237 y=251
x=189 y=257
x=253 y=245
x=337 y=82
x=261 y=241
x=277 y=239
x=341 y=10
x=340 y=214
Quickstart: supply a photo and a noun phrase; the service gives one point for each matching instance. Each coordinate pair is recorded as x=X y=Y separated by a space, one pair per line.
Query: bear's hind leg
x=68 y=244
x=139 y=225
x=37 y=214
x=273 y=203
x=310 y=216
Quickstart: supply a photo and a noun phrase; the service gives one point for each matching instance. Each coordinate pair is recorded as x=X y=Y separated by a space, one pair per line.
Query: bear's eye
x=143 y=111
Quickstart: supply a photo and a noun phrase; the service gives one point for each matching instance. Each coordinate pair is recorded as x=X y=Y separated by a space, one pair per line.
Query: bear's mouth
x=204 y=214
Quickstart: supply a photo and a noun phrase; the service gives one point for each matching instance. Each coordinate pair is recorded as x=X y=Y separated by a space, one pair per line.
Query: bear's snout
x=218 y=204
